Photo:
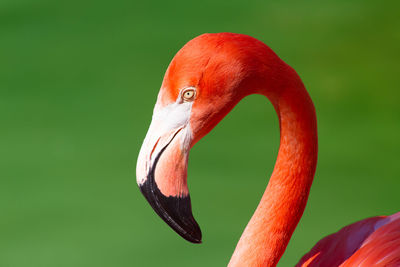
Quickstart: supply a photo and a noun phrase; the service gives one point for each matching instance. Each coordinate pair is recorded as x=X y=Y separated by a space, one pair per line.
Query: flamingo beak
x=162 y=174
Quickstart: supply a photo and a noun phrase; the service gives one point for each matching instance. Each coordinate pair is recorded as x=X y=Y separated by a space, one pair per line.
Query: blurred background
x=78 y=81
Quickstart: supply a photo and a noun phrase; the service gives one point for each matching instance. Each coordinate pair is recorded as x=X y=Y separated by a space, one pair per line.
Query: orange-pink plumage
x=220 y=70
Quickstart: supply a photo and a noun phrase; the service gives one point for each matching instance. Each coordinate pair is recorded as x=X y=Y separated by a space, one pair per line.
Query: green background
x=78 y=81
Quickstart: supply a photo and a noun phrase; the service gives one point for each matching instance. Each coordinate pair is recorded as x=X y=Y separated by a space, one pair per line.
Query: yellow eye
x=188 y=94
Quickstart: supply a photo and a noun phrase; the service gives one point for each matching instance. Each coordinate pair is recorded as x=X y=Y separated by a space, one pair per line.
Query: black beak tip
x=192 y=232
x=194 y=238
x=175 y=211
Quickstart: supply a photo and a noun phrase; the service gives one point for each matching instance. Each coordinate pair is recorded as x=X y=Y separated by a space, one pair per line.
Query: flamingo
x=203 y=82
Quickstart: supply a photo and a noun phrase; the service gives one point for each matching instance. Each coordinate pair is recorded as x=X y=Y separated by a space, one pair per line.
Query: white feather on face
x=168 y=122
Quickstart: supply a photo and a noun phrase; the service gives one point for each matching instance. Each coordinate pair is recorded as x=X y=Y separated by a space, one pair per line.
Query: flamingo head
x=204 y=81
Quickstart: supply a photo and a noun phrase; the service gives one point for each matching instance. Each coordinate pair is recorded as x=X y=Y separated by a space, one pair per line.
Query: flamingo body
x=203 y=82
x=371 y=242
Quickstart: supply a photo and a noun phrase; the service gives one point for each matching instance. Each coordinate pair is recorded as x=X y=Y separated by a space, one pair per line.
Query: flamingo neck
x=268 y=232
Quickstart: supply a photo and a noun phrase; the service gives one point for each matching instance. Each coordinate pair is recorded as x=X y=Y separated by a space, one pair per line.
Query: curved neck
x=267 y=234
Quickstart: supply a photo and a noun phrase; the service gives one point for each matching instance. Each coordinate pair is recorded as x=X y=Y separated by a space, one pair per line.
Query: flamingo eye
x=189 y=94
